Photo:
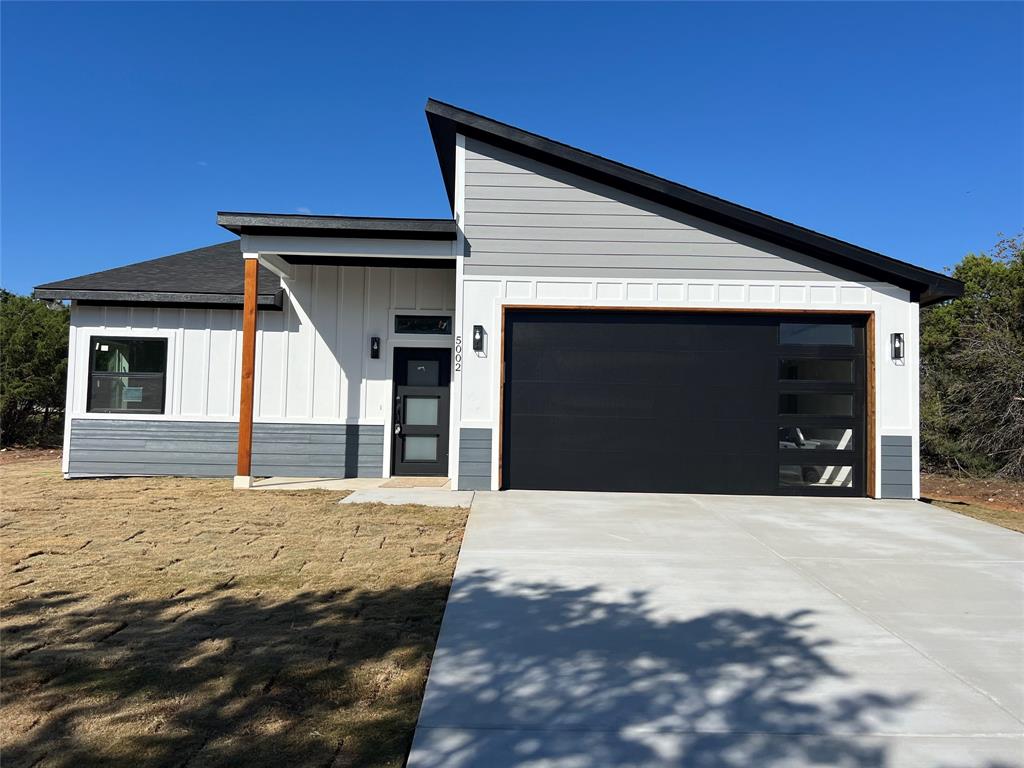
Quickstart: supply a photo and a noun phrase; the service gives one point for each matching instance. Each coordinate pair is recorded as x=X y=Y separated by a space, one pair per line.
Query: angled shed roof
x=211 y=276
x=446 y=121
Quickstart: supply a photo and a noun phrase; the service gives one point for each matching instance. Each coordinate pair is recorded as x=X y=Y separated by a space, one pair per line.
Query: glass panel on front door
x=420 y=448
x=421 y=411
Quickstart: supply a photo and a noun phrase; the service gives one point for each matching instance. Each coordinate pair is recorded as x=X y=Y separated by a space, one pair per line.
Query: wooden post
x=243 y=474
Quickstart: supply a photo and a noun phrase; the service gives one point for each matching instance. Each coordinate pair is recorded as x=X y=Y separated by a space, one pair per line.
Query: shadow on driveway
x=536 y=674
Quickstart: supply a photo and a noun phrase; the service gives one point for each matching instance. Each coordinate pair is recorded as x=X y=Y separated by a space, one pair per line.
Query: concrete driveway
x=624 y=629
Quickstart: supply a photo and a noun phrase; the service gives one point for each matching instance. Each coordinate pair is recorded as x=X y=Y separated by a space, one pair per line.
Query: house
x=577 y=324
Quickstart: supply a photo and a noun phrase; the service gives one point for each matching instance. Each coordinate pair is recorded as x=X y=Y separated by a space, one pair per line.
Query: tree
x=972 y=367
x=33 y=369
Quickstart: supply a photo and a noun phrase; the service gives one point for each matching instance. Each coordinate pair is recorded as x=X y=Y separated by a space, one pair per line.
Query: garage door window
x=816 y=404
x=820 y=406
x=807 y=438
x=816 y=334
x=815 y=369
x=815 y=476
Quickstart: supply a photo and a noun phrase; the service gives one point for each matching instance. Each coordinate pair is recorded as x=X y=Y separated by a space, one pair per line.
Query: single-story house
x=576 y=324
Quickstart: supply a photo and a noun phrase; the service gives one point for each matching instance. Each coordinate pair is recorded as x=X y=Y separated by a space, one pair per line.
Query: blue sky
x=125 y=127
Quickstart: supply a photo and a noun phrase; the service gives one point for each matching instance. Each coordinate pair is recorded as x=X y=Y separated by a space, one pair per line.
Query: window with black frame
x=821 y=405
x=439 y=324
x=127 y=375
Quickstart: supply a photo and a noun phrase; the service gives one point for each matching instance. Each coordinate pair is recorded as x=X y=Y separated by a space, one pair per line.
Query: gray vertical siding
x=523 y=217
x=474 y=459
x=897 y=467
x=108 y=447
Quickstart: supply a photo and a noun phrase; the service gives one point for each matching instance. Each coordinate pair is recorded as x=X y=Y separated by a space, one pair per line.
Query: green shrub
x=33 y=370
x=972 y=367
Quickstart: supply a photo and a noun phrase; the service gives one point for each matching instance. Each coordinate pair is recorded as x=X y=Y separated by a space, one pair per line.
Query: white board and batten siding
x=537 y=235
x=313 y=366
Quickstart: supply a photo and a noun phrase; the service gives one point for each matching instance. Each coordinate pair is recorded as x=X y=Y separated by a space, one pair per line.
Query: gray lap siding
x=474 y=459
x=523 y=217
x=112 y=447
x=897 y=467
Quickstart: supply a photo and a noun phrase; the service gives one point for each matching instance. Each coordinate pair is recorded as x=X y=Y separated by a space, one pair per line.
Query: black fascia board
x=446 y=120
x=370 y=261
x=242 y=223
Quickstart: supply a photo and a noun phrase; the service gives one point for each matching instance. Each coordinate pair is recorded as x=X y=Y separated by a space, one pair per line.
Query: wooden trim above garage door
x=869 y=352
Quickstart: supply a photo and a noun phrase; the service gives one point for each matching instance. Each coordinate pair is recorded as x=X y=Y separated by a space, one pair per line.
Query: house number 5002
x=458 y=353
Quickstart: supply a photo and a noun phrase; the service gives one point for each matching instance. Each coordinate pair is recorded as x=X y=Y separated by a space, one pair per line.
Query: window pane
x=810 y=438
x=815 y=476
x=423 y=324
x=110 y=355
x=826 y=334
x=816 y=404
x=421 y=411
x=815 y=369
x=129 y=355
x=419 y=448
x=140 y=389
x=144 y=394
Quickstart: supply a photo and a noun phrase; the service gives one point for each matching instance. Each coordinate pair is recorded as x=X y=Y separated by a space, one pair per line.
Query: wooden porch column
x=243 y=474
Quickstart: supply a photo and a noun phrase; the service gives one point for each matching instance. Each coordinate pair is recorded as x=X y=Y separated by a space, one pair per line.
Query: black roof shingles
x=209 y=276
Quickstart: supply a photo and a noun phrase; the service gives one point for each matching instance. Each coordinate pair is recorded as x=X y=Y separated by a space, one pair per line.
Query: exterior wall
x=113 y=446
x=526 y=218
x=498 y=270
x=312 y=358
x=475 y=459
x=897 y=467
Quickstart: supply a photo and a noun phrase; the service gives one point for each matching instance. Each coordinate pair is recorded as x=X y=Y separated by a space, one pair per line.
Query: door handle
x=398 y=429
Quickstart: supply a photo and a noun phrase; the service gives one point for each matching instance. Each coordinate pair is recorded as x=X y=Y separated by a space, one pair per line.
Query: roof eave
x=242 y=223
x=267 y=301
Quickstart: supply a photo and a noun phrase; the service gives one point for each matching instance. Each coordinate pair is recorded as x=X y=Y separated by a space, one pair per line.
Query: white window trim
x=84 y=341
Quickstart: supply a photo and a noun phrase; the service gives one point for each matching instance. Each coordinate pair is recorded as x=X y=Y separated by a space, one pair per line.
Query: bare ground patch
x=999 y=501
x=164 y=621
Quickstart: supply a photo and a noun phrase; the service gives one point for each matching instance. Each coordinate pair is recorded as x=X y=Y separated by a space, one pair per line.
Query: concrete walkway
x=347 y=484
x=431 y=497
x=636 y=630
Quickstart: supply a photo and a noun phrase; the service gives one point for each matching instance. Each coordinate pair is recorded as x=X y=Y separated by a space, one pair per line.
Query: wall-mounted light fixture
x=375 y=347
x=478 y=338
x=898 y=346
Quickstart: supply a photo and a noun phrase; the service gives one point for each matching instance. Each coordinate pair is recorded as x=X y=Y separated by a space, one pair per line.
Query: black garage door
x=683 y=403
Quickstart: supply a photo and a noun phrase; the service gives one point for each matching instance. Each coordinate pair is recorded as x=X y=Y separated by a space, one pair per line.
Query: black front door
x=420 y=441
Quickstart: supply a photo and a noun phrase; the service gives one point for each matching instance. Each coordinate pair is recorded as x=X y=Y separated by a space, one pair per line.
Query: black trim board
x=446 y=120
x=210 y=277
x=271 y=301
x=371 y=261
x=242 y=223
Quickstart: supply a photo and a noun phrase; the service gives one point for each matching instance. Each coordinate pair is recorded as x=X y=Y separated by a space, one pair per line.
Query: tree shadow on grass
x=335 y=678
x=217 y=678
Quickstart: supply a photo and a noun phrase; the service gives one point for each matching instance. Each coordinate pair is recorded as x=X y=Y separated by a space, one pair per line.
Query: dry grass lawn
x=999 y=501
x=1001 y=517
x=177 y=622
